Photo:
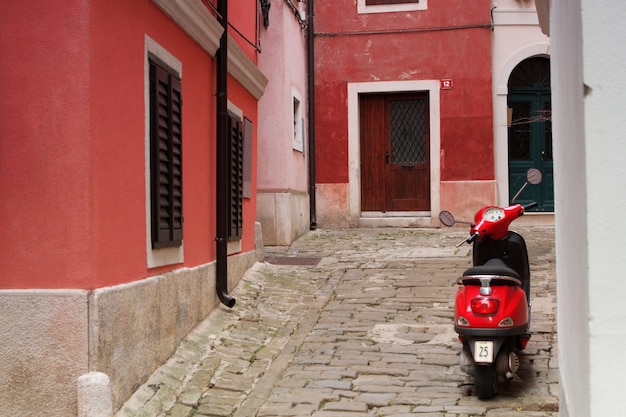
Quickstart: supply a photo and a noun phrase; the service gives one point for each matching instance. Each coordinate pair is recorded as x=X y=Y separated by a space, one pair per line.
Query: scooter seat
x=494 y=266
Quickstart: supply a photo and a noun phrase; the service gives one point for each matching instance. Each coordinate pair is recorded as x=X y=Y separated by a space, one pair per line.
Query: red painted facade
x=448 y=40
x=72 y=149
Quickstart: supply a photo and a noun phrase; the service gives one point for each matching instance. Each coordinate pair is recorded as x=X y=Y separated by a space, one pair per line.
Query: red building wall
x=449 y=40
x=45 y=156
x=72 y=149
x=74 y=205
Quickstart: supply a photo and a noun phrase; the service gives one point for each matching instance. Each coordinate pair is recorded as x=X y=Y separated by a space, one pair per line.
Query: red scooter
x=492 y=307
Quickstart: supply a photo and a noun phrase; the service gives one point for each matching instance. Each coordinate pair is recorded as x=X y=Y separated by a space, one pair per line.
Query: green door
x=530 y=137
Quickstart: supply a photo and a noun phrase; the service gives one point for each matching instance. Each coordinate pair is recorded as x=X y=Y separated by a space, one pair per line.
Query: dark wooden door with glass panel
x=530 y=132
x=395 y=159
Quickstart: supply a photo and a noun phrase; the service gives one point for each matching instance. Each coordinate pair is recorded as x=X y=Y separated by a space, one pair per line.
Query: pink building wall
x=282 y=192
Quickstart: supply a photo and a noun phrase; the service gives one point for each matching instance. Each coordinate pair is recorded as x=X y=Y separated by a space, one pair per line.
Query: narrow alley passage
x=352 y=323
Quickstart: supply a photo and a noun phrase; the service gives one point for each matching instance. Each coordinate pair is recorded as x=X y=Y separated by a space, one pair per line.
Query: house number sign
x=446 y=84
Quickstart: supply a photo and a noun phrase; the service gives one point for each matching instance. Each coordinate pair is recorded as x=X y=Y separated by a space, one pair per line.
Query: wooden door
x=395 y=152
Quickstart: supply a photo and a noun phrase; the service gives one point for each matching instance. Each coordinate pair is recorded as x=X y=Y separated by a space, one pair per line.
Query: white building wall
x=587 y=48
x=516 y=36
x=604 y=60
x=570 y=211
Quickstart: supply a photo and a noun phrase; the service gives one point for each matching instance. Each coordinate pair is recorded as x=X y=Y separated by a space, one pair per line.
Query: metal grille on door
x=408 y=132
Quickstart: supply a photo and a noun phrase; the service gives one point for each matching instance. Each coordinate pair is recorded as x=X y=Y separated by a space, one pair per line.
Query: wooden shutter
x=235 y=192
x=166 y=170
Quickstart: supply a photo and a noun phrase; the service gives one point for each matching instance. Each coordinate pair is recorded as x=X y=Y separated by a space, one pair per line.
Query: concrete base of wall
x=405 y=221
x=535 y=219
x=52 y=337
x=43 y=351
x=463 y=198
x=135 y=327
x=332 y=206
x=284 y=216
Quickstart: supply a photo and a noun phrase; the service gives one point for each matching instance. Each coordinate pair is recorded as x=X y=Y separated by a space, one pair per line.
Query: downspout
x=221 y=262
x=311 y=111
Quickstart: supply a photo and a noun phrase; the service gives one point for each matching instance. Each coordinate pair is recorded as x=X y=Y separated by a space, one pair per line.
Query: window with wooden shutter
x=166 y=165
x=235 y=190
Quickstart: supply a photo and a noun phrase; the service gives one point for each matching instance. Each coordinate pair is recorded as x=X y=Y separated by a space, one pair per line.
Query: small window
x=390 y=6
x=374 y=2
x=236 y=167
x=166 y=165
x=297 y=124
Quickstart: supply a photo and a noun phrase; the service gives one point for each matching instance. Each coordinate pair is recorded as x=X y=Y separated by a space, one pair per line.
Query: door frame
x=432 y=87
x=500 y=114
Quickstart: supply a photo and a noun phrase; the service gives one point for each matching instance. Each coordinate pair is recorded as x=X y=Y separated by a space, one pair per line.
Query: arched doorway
x=530 y=131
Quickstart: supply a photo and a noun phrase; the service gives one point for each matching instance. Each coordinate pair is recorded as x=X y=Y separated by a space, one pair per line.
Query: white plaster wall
x=587 y=47
x=604 y=60
x=570 y=189
x=516 y=36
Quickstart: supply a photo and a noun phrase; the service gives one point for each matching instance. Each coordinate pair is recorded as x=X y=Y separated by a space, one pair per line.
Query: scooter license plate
x=483 y=351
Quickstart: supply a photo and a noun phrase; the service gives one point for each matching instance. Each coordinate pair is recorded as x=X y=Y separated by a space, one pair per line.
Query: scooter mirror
x=534 y=176
x=446 y=218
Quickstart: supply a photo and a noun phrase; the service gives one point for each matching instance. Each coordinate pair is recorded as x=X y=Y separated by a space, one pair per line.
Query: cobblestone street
x=352 y=323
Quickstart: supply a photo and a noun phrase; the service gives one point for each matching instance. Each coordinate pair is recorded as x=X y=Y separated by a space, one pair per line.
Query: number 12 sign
x=446 y=84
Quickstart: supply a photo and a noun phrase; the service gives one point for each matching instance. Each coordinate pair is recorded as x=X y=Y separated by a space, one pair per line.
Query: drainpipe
x=221 y=263
x=311 y=111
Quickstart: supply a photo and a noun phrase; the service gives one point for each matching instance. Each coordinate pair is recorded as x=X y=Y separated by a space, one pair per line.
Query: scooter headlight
x=462 y=321
x=507 y=322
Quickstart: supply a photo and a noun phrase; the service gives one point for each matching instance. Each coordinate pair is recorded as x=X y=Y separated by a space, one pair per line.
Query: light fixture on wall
x=265 y=8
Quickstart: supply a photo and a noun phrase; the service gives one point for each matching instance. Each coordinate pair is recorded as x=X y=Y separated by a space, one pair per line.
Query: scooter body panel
x=512 y=306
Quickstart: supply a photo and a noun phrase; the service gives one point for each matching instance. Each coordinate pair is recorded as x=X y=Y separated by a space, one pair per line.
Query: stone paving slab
x=366 y=331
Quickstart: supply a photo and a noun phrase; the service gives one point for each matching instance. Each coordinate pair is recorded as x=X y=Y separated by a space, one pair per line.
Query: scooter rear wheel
x=485 y=381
